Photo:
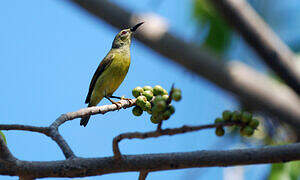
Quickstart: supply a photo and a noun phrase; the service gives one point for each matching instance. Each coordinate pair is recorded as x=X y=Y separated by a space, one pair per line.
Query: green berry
x=226 y=115
x=147 y=106
x=137 y=111
x=246 y=117
x=176 y=95
x=155 y=119
x=161 y=105
x=171 y=109
x=148 y=88
x=148 y=94
x=236 y=116
x=141 y=101
x=176 y=90
x=165 y=92
x=165 y=97
x=220 y=131
x=158 y=99
x=155 y=110
x=166 y=115
x=158 y=90
x=247 y=131
x=219 y=120
x=254 y=123
x=137 y=91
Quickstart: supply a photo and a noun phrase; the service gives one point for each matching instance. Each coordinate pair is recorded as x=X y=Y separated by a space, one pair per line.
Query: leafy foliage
x=219 y=34
x=287 y=171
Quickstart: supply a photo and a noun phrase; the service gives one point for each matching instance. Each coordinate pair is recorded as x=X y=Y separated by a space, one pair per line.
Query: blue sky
x=49 y=51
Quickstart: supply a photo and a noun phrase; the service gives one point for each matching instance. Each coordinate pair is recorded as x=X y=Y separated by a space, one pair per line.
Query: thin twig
x=92 y=111
x=143 y=175
x=48 y=131
x=63 y=145
x=162 y=132
x=159 y=126
x=43 y=130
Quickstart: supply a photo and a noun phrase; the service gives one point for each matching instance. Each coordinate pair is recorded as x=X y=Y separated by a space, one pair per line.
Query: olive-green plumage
x=111 y=71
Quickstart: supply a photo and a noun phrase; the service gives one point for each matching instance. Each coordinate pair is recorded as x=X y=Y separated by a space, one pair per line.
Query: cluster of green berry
x=155 y=101
x=247 y=123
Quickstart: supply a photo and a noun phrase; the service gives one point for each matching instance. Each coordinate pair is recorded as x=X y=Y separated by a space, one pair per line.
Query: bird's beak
x=134 y=28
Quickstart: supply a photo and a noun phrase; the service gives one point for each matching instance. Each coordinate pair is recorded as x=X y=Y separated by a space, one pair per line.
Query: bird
x=111 y=71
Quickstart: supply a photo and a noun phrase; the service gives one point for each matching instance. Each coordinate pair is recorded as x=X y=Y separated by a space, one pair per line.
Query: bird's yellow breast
x=111 y=78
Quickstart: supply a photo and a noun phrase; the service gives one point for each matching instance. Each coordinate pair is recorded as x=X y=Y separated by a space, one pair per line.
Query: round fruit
x=161 y=105
x=236 y=116
x=220 y=131
x=246 y=117
x=147 y=106
x=166 y=115
x=137 y=91
x=137 y=111
x=254 y=123
x=176 y=95
x=165 y=92
x=165 y=97
x=219 y=120
x=148 y=94
x=171 y=109
x=158 y=90
x=226 y=115
x=141 y=101
x=247 y=131
x=147 y=88
x=158 y=99
x=155 y=119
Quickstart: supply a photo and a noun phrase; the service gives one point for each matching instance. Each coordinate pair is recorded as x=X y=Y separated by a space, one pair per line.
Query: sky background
x=49 y=51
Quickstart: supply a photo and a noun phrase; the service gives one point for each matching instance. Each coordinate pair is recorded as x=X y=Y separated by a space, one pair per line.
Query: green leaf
x=219 y=35
x=285 y=171
x=3 y=136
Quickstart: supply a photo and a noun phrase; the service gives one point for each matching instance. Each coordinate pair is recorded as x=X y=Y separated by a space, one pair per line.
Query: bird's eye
x=123 y=32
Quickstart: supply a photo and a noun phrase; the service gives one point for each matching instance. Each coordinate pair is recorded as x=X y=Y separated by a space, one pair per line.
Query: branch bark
x=80 y=167
x=5 y=154
x=264 y=41
x=250 y=87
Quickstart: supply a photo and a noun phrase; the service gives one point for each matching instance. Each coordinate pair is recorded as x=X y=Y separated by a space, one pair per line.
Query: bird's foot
x=122 y=98
x=118 y=104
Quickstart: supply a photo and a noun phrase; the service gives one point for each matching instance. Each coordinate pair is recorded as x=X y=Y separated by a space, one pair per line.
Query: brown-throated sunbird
x=111 y=71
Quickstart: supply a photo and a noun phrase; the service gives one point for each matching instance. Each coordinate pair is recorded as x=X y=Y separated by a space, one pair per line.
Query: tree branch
x=251 y=87
x=52 y=130
x=264 y=41
x=91 y=111
x=63 y=145
x=162 y=132
x=43 y=130
x=80 y=167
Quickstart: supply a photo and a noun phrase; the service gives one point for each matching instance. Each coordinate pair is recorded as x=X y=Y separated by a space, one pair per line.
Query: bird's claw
x=127 y=99
x=118 y=104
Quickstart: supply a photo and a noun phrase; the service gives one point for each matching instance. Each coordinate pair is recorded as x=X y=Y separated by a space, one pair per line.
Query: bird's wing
x=101 y=68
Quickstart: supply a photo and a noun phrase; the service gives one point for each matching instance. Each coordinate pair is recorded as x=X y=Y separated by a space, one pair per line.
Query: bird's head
x=123 y=38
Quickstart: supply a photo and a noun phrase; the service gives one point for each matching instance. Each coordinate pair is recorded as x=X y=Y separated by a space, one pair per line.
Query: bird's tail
x=84 y=120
